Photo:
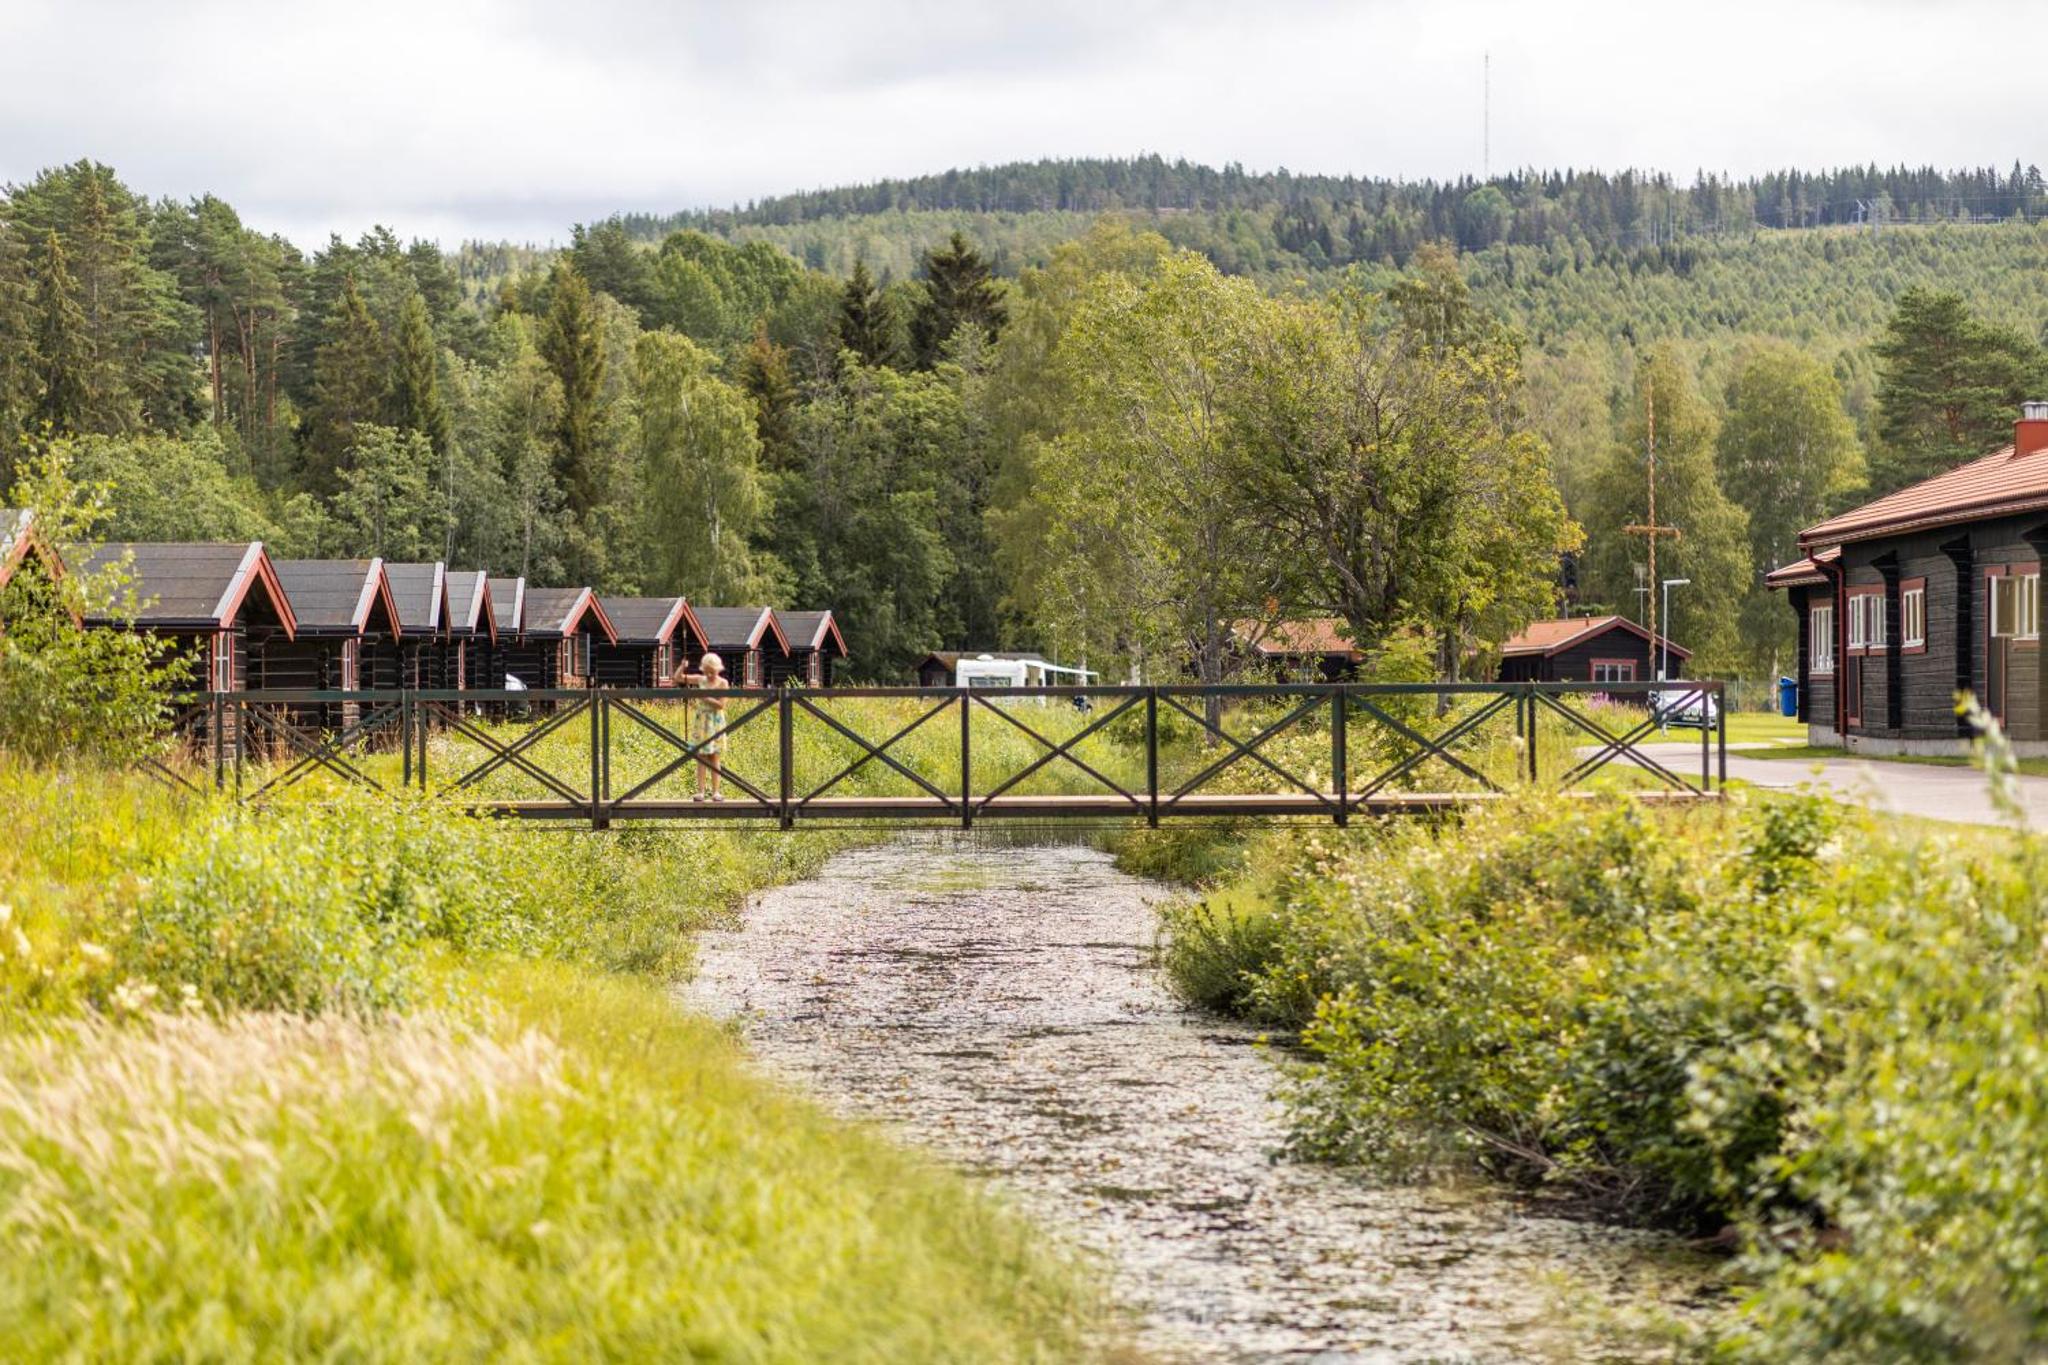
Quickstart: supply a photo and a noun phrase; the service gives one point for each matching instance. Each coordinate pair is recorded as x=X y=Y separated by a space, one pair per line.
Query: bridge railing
x=792 y=755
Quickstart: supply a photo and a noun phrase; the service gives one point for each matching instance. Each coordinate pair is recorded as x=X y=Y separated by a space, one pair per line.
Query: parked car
x=1690 y=708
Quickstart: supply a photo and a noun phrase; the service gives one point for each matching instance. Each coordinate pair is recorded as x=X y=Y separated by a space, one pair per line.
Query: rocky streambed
x=1000 y=1006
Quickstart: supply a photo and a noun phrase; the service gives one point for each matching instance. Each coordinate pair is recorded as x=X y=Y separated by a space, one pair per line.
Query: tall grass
x=366 y=1078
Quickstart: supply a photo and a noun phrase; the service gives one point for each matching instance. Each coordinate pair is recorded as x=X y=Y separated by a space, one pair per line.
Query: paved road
x=1922 y=789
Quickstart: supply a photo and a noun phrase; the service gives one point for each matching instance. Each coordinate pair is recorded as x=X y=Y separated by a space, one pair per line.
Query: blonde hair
x=711 y=663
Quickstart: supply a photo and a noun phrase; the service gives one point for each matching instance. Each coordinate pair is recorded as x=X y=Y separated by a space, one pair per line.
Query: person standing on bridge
x=707 y=726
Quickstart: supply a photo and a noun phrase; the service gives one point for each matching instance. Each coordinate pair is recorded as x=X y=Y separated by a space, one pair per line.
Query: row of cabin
x=1924 y=594
x=248 y=622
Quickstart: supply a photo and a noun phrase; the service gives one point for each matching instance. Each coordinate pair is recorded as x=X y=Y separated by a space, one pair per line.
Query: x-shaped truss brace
x=1428 y=748
x=513 y=755
x=1247 y=748
x=1613 y=746
x=314 y=754
x=688 y=752
x=1061 y=750
x=880 y=752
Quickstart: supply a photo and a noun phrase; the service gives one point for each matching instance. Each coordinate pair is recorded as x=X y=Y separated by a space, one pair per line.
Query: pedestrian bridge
x=795 y=755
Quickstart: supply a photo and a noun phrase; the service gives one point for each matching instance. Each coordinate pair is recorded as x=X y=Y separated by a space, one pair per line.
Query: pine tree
x=348 y=383
x=960 y=290
x=1950 y=387
x=765 y=377
x=61 y=357
x=416 y=377
x=19 y=385
x=574 y=350
x=866 y=327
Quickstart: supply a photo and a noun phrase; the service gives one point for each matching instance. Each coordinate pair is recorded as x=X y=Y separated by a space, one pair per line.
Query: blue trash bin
x=1788 y=697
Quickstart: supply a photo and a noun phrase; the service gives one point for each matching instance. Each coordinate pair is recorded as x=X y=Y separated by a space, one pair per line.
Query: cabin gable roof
x=469 y=604
x=341 y=597
x=420 y=591
x=812 y=630
x=199 y=585
x=1548 y=638
x=645 y=620
x=741 y=627
x=555 y=613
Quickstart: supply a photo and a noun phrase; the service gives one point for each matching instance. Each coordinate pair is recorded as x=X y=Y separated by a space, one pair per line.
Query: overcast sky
x=515 y=118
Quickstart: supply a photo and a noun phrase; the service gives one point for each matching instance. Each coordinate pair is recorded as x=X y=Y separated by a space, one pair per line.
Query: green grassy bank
x=361 y=1081
x=1811 y=1032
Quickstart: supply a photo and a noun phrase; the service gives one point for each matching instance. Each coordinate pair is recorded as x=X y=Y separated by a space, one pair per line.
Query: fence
x=792 y=755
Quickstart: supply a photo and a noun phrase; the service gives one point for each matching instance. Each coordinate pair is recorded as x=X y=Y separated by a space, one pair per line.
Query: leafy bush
x=1825 y=1028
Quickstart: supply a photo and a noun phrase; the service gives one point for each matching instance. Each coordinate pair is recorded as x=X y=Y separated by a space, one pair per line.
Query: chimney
x=2030 y=433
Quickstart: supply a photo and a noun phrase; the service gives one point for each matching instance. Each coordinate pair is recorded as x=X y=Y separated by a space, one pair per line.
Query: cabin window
x=1866 y=621
x=223 y=663
x=1821 y=623
x=1913 y=617
x=814 y=668
x=2016 y=607
x=1614 y=670
x=753 y=669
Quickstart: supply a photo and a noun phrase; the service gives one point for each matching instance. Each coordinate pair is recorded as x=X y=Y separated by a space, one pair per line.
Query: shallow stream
x=1000 y=1006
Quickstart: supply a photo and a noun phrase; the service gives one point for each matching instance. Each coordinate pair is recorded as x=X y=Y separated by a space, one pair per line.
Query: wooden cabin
x=508 y=625
x=421 y=592
x=815 y=648
x=1609 y=649
x=472 y=629
x=348 y=628
x=1315 y=649
x=748 y=639
x=21 y=549
x=656 y=637
x=219 y=604
x=1926 y=592
x=556 y=647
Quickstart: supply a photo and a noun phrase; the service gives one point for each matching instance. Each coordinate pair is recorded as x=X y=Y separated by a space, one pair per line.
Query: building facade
x=1924 y=594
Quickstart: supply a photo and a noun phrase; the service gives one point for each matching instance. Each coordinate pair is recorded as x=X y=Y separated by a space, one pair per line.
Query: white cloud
x=518 y=118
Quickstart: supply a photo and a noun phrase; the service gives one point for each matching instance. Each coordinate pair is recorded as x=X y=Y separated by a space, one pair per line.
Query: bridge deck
x=1030 y=807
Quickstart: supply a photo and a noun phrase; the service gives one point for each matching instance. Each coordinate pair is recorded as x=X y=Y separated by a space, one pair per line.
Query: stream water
x=1000 y=1006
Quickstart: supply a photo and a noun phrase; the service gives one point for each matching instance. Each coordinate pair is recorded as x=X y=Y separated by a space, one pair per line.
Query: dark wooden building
x=22 y=549
x=426 y=654
x=748 y=639
x=472 y=628
x=555 y=646
x=1315 y=650
x=1588 y=649
x=508 y=625
x=347 y=636
x=656 y=635
x=816 y=648
x=1926 y=592
x=219 y=604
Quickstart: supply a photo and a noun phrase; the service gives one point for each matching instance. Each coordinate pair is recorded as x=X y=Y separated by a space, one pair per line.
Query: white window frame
x=1913 y=618
x=2025 y=609
x=1820 y=624
x=1856 y=601
x=1617 y=670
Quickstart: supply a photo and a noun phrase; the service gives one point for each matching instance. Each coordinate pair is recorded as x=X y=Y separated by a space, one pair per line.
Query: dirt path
x=999 y=1005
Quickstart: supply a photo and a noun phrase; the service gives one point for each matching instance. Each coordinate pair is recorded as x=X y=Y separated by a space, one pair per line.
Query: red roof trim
x=256 y=568
x=1595 y=625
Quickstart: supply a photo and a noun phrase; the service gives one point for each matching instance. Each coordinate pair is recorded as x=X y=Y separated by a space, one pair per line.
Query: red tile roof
x=1316 y=635
x=1798 y=571
x=1997 y=484
x=1552 y=637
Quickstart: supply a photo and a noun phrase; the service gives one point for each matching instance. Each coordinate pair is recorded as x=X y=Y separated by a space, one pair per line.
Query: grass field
x=354 y=1079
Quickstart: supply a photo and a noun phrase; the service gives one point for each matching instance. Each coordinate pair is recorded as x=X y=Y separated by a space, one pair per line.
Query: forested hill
x=1354 y=218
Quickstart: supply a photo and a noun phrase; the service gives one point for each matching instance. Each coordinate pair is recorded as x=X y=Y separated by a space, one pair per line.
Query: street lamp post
x=1663 y=645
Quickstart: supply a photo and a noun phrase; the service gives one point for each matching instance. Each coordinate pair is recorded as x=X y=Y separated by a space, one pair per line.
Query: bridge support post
x=785 y=727
x=966 y=759
x=1340 y=780
x=598 y=818
x=1535 y=724
x=1152 y=757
